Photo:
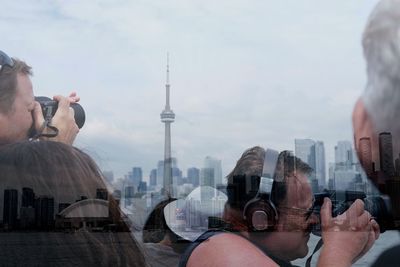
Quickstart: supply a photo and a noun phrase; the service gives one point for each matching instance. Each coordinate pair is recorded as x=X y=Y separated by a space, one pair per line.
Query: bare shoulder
x=228 y=250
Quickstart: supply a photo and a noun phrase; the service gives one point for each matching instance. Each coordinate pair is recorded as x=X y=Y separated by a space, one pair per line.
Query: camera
x=378 y=206
x=49 y=108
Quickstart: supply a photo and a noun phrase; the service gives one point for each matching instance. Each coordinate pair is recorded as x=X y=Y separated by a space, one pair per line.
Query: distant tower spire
x=167 y=117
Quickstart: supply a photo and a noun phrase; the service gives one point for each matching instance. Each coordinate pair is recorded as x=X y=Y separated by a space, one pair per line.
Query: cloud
x=242 y=74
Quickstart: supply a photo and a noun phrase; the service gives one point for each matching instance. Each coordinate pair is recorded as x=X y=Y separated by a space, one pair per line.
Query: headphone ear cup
x=261 y=215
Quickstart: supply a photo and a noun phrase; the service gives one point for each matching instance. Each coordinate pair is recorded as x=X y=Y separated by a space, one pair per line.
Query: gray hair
x=381 y=43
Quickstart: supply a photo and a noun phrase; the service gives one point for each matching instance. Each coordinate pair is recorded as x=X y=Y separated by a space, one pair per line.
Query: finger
x=363 y=221
x=74 y=97
x=71 y=112
x=356 y=209
x=37 y=116
x=326 y=213
x=63 y=103
x=375 y=228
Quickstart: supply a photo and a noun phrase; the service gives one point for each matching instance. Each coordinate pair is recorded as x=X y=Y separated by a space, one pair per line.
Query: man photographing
x=269 y=219
x=20 y=115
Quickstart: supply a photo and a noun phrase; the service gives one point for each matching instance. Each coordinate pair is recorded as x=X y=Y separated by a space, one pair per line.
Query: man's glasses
x=5 y=60
x=306 y=213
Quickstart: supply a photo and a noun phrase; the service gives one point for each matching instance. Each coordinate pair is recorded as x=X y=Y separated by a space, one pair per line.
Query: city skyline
x=236 y=84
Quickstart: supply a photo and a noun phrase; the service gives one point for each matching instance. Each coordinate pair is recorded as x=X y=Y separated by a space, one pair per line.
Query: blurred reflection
x=56 y=210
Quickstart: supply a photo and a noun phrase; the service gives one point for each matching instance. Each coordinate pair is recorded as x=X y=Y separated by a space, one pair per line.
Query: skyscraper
x=137 y=176
x=167 y=117
x=10 y=209
x=366 y=155
x=313 y=153
x=153 y=177
x=386 y=153
x=215 y=164
x=193 y=176
x=344 y=152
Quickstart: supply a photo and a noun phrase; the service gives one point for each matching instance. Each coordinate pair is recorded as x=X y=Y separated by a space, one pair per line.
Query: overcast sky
x=242 y=73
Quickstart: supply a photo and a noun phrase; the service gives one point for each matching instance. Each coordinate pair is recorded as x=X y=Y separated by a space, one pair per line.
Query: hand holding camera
x=60 y=118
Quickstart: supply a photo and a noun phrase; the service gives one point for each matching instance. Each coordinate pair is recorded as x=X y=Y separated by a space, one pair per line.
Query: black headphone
x=260 y=212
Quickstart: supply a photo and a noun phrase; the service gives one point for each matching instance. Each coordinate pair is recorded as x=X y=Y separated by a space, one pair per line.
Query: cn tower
x=167 y=117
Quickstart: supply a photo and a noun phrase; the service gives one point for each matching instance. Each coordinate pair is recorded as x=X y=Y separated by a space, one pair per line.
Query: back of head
x=381 y=43
x=64 y=204
x=8 y=83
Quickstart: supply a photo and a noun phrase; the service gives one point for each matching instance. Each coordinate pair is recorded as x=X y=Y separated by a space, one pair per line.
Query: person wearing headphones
x=20 y=115
x=269 y=215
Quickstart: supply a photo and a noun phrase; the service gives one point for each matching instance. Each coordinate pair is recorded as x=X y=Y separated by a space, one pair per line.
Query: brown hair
x=64 y=173
x=8 y=83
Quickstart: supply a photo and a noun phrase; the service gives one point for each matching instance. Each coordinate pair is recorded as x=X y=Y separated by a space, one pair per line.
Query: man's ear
x=362 y=123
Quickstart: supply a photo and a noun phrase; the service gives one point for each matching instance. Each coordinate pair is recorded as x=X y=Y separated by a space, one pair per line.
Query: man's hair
x=244 y=180
x=8 y=83
x=381 y=43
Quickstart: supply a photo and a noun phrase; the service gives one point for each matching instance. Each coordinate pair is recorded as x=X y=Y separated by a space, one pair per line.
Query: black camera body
x=378 y=206
x=49 y=108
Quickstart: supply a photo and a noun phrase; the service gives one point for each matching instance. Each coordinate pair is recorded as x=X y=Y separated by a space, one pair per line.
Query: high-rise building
x=366 y=155
x=44 y=212
x=320 y=172
x=215 y=164
x=344 y=153
x=167 y=117
x=207 y=177
x=386 y=153
x=160 y=173
x=193 y=176
x=153 y=178
x=28 y=197
x=137 y=176
x=10 y=208
x=313 y=153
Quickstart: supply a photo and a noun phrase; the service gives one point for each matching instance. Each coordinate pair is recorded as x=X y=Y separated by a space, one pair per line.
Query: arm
x=63 y=120
x=228 y=250
x=346 y=237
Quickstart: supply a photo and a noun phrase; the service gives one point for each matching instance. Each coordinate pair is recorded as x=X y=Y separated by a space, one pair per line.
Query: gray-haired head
x=381 y=43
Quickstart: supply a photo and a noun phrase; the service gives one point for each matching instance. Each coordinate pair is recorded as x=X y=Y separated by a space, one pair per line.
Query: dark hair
x=244 y=180
x=8 y=83
x=59 y=173
x=155 y=227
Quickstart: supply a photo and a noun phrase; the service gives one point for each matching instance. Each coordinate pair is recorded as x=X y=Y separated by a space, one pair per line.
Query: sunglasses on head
x=5 y=60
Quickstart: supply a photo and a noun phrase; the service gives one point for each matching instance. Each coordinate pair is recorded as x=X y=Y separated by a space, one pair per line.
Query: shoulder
x=389 y=257
x=228 y=249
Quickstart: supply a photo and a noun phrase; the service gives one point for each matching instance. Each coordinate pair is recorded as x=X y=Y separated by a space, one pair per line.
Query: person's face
x=295 y=217
x=19 y=120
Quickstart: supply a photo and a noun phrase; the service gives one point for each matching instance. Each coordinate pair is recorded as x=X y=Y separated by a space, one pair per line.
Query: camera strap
x=317 y=247
x=46 y=124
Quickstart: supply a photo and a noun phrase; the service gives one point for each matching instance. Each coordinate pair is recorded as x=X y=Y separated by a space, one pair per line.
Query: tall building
x=10 y=208
x=167 y=117
x=344 y=152
x=207 y=177
x=153 y=178
x=44 y=212
x=160 y=173
x=386 y=153
x=313 y=153
x=320 y=172
x=28 y=197
x=137 y=176
x=215 y=164
x=193 y=176
x=366 y=155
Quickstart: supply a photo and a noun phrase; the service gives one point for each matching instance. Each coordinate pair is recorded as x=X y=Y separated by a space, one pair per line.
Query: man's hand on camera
x=348 y=236
x=63 y=119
